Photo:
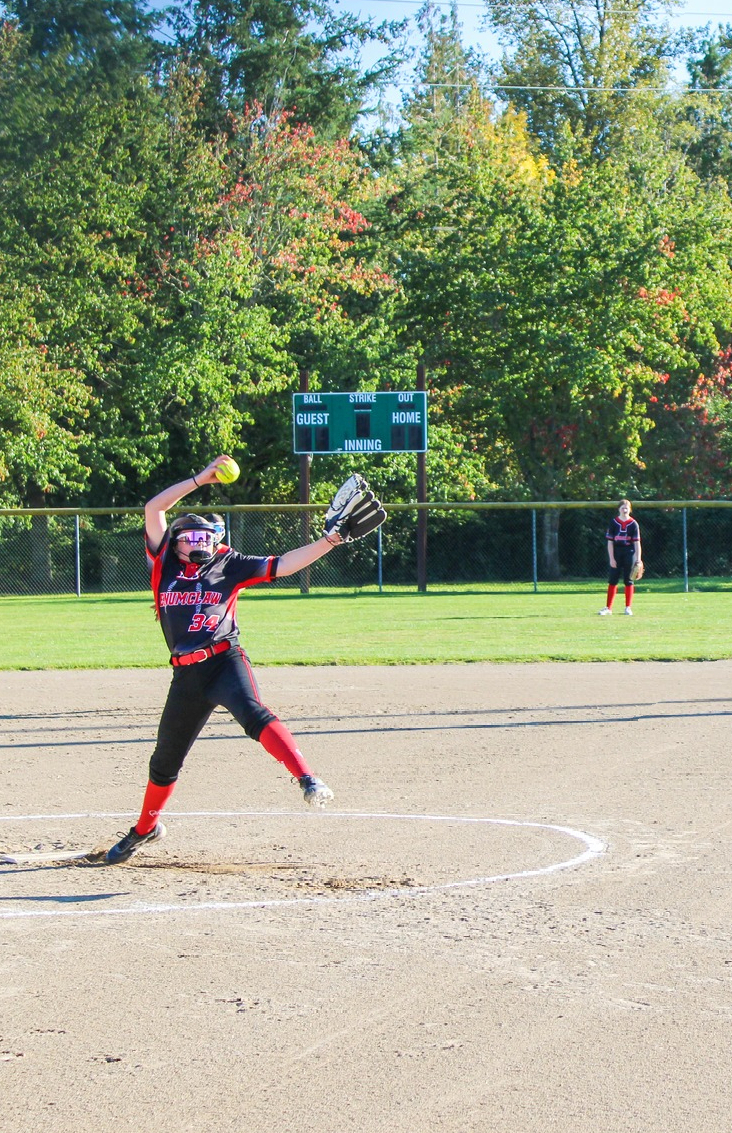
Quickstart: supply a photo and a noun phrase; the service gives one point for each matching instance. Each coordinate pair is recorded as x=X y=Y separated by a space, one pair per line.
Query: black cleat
x=133 y=842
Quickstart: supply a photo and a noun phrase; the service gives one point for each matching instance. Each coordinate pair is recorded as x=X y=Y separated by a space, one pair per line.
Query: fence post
x=533 y=550
x=380 y=560
x=686 y=550
x=77 y=555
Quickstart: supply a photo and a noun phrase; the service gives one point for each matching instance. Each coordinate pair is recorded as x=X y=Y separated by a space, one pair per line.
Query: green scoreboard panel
x=360 y=422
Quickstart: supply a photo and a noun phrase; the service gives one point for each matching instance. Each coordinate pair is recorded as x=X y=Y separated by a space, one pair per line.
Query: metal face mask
x=198 y=545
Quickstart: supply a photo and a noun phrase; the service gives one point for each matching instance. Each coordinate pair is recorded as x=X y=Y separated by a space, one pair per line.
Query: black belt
x=200 y=654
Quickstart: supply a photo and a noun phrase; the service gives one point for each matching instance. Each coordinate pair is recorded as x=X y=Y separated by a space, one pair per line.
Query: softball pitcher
x=196 y=579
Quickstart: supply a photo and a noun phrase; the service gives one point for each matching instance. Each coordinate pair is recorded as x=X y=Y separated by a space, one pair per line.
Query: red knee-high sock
x=152 y=804
x=279 y=742
x=611 y=592
x=629 y=596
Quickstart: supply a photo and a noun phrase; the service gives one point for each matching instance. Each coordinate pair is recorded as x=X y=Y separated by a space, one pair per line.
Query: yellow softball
x=228 y=471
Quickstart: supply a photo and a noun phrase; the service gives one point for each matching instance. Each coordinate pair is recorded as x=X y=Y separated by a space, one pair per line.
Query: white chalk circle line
x=593 y=847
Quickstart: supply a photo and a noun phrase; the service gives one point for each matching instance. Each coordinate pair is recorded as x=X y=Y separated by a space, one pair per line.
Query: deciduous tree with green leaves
x=549 y=301
x=590 y=69
x=43 y=412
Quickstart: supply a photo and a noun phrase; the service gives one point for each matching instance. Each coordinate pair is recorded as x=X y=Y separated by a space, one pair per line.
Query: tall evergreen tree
x=110 y=38
x=295 y=55
x=710 y=150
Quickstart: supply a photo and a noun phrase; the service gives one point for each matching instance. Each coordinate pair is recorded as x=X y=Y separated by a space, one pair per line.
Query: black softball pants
x=225 y=680
x=624 y=561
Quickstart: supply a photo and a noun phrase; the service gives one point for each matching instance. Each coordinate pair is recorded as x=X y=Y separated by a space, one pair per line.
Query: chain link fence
x=98 y=551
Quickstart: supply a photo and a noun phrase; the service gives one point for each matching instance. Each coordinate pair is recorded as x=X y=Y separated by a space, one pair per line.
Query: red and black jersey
x=196 y=605
x=623 y=532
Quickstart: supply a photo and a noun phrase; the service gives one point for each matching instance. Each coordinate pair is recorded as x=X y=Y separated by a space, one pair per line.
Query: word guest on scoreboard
x=360 y=422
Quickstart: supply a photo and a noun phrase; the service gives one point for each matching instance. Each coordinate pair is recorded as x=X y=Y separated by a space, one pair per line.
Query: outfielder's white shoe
x=606 y=610
x=628 y=611
x=315 y=791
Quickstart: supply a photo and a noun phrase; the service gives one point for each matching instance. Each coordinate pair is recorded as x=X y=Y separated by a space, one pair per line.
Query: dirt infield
x=515 y=917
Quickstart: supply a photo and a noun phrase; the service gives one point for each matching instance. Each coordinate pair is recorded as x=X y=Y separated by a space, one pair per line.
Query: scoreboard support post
x=421 y=499
x=306 y=460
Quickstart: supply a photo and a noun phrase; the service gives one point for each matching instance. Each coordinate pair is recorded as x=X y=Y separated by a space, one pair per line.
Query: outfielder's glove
x=354 y=510
x=637 y=570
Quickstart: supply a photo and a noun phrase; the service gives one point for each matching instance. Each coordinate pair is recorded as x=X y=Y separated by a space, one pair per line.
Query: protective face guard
x=200 y=544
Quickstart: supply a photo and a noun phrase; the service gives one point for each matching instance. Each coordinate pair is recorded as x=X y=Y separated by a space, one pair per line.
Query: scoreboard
x=360 y=422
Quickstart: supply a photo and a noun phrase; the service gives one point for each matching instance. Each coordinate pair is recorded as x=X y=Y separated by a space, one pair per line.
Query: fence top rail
x=561 y=505
x=446 y=505
x=555 y=505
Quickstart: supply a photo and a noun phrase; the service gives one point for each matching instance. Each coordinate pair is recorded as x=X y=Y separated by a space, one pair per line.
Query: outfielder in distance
x=196 y=579
x=624 y=555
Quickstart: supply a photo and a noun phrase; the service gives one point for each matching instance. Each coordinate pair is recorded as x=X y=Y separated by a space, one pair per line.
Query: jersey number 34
x=200 y=621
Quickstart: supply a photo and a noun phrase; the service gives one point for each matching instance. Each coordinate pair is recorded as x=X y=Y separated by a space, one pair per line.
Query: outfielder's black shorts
x=624 y=560
x=226 y=680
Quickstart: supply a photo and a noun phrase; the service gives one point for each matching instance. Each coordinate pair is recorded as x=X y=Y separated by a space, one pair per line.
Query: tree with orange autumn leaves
x=274 y=281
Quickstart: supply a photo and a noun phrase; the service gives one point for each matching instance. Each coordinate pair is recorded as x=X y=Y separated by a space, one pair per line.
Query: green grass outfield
x=397 y=627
